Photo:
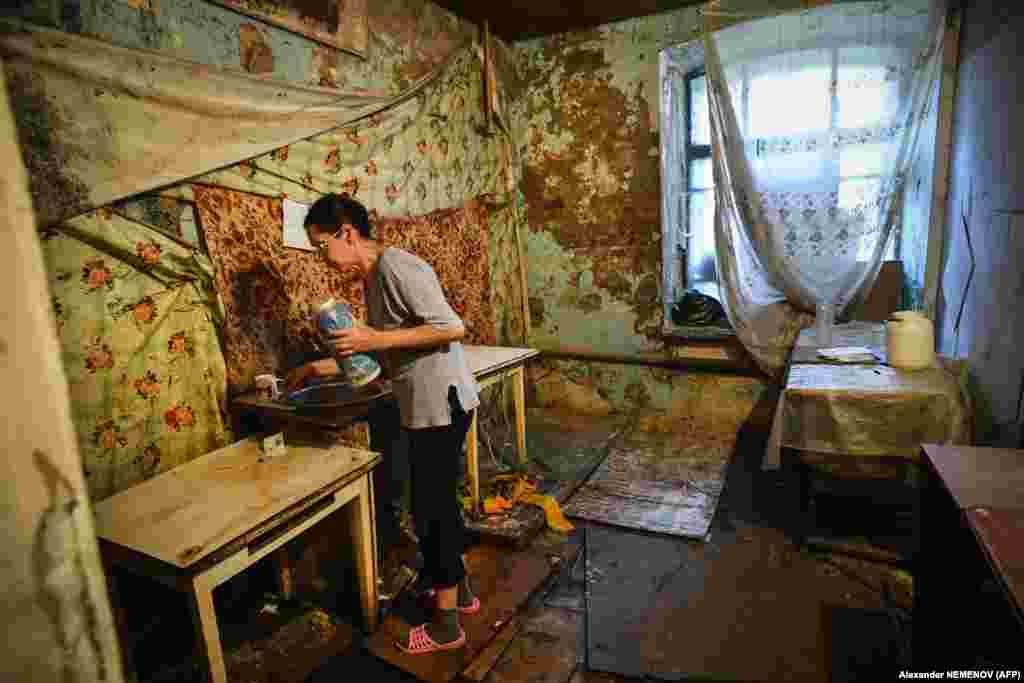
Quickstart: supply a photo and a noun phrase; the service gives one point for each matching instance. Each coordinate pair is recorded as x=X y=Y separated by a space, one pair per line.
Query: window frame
x=692 y=151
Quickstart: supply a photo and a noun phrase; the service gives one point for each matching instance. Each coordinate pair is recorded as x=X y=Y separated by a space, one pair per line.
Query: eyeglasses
x=322 y=244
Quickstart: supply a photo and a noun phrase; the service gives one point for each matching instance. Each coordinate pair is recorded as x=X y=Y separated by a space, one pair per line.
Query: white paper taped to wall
x=189 y=228
x=294 y=232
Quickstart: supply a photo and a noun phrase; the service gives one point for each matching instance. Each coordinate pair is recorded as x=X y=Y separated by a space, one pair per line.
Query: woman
x=411 y=323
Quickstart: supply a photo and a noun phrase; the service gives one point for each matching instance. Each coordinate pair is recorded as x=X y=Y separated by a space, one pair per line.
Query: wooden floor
x=650 y=605
x=744 y=605
x=504 y=579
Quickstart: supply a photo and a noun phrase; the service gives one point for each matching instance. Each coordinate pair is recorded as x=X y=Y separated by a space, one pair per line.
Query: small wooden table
x=860 y=421
x=194 y=527
x=489 y=365
x=863 y=411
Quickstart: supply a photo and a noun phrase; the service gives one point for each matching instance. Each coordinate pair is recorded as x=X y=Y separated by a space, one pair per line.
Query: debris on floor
x=562 y=451
x=292 y=650
x=510 y=490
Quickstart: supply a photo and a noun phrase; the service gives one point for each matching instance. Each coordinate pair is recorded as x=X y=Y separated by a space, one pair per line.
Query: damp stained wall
x=986 y=198
x=589 y=135
x=407 y=37
x=590 y=140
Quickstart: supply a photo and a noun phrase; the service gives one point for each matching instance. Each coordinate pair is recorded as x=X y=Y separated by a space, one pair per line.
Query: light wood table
x=489 y=365
x=194 y=527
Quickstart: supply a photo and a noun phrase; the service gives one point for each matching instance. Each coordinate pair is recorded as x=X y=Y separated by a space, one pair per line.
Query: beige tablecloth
x=866 y=410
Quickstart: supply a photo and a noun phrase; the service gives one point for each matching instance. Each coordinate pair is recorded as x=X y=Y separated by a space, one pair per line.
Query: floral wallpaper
x=136 y=314
x=410 y=166
x=256 y=274
x=455 y=243
x=269 y=290
x=432 y=153
x=427 y=160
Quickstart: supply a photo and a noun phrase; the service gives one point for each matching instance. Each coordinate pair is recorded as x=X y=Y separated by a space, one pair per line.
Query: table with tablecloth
x=866 y=409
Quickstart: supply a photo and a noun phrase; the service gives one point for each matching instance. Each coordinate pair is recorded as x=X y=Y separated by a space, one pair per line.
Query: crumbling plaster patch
x=591 y=179
x=407 y=38
x=595 y=188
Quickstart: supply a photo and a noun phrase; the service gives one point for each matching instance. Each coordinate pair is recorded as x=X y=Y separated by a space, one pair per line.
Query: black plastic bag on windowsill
x=696 y=309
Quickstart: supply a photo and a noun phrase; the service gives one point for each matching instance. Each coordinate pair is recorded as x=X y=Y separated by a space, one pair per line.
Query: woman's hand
x=355 y=340
x=324 y=367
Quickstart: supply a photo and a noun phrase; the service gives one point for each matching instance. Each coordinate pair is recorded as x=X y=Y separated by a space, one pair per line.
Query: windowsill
x=686 y=334
x=705 y=344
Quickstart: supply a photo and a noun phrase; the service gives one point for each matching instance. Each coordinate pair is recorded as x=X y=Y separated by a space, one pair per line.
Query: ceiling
x=514 y=20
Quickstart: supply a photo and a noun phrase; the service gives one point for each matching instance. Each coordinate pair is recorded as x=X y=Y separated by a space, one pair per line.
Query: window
x=863 y=96
x=698 y=241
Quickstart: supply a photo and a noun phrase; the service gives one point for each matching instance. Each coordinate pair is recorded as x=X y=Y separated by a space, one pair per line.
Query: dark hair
x=335 y=210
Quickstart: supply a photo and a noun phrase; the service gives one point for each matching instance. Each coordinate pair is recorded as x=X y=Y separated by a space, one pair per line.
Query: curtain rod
x=695 y=33
x=711 y=12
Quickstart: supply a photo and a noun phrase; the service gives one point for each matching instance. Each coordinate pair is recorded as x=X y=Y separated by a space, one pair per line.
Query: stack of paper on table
x=848 y=354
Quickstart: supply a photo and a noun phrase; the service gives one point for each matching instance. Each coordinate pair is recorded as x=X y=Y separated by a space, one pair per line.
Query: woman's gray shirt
x=403 y=291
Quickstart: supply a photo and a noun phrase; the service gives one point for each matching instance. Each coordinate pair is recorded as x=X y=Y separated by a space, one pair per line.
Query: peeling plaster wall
x=987 y=193
x=407 y=38
x=591 y=180
x=592 y=183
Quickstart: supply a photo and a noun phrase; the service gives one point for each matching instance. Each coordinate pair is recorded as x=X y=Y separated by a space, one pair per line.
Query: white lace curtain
x=815 y=117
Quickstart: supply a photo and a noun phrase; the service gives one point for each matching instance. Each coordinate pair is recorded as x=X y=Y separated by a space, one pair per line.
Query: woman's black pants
x=435 y=461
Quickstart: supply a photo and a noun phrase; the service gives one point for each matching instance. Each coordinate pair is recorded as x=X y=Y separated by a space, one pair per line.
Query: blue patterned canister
x=359 y=368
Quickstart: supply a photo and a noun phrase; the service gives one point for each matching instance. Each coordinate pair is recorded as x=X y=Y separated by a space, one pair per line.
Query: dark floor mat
x=655 y=482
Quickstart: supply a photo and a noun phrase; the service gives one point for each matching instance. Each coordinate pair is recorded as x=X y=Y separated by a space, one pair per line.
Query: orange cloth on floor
x=523 y=491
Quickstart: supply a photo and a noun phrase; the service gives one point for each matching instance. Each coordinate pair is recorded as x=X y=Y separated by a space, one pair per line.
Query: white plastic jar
x=910 y=341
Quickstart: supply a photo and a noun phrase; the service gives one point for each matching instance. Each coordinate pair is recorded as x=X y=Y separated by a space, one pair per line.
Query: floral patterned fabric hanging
x=432 y=152
x=136 y=316
x=270 y=290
